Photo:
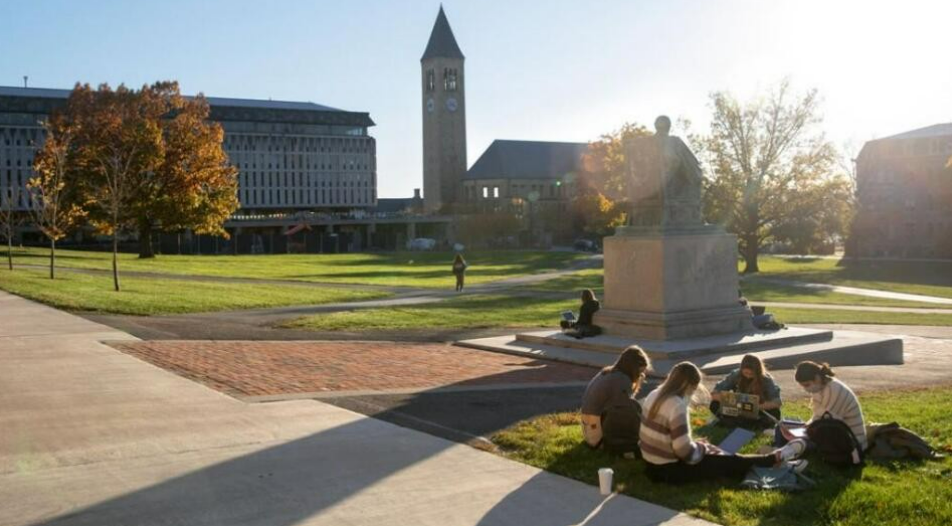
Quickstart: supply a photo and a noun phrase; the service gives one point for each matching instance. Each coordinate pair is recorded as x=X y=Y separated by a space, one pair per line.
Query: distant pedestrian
x=459 y=270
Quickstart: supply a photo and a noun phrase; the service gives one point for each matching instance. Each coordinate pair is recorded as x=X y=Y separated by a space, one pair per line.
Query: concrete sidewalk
x=91 y=436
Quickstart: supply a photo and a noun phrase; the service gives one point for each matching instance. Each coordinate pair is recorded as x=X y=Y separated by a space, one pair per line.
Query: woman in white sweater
x=671 y=454
x=830 y=395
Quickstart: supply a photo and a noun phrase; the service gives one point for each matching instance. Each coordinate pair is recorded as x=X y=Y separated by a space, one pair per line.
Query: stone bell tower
x=444 y=117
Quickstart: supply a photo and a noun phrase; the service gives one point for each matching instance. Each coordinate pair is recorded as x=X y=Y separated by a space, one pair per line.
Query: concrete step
x=687 y=348
x=844 y=348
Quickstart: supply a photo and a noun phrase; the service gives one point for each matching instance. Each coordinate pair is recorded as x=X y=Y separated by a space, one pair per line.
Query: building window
x=449 y=79
x=485 y=192
x=496 y=191
x=430 y=80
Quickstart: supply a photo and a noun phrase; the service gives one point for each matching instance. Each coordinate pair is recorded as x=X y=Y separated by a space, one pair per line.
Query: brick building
x=904 y=187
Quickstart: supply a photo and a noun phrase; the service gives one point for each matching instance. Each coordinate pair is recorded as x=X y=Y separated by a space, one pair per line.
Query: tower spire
x=442 y=42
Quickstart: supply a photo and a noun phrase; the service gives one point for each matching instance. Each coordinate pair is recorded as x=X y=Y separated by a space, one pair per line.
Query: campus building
x=290 y=156
x=443 y=88
x=904 y=187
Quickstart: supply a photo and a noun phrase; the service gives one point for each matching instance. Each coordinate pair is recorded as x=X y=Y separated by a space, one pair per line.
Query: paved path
x=92 y=436
x=871 y=293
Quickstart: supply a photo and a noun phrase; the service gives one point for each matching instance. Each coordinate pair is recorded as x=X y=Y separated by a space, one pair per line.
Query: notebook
x=738 y=438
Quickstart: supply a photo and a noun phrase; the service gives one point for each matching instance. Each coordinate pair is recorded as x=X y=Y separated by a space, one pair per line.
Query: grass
x=404 y=269
x=147 y=296
x=468 y=312
x=912 y=277
x=900 y=493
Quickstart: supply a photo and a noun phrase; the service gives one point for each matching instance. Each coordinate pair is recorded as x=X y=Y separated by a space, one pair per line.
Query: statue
x=665 y=181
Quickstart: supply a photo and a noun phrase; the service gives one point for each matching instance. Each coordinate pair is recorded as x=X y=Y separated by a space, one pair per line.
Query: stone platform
x=713 y=354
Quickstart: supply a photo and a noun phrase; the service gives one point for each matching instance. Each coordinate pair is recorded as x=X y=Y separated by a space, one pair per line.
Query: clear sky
x=543 y=70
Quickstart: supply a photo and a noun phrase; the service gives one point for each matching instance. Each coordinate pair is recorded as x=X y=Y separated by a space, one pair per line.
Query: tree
x=10 y=218
x=52 y=199
x=599 y=203
x=118 y=143
x=766 y=162
x=192 y=186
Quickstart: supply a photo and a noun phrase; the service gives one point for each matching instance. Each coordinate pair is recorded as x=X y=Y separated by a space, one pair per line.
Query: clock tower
x=444 y=117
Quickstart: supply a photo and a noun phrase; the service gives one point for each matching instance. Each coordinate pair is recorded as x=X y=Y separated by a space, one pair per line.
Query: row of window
x=450 y=79
x=302 y=197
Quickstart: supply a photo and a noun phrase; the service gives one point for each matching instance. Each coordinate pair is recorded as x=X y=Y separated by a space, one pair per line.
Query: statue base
x=669 y=284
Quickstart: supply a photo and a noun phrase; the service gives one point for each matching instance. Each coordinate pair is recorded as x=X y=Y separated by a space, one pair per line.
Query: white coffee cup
x=605 y=480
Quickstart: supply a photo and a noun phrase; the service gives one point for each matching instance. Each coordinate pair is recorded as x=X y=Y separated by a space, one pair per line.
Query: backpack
x=621 y=424
x=892 y=441
x=835 y=442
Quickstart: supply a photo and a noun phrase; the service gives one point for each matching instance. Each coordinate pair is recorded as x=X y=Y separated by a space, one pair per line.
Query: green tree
x=766 y=161
x=53 y=203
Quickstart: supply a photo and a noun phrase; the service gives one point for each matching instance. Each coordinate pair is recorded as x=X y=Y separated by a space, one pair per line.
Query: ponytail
x=807 y=371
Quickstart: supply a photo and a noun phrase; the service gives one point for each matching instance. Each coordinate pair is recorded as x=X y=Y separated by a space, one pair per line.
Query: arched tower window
x=430 y=80
x=449 y=79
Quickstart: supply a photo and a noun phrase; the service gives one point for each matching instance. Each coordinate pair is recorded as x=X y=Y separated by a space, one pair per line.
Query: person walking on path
x=459 y=270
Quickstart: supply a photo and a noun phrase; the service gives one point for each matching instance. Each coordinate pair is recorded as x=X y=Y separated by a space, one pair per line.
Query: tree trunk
x=52 y=258
x=10 y=250
x=751 y=251
x=145 y=240
x=115 y=260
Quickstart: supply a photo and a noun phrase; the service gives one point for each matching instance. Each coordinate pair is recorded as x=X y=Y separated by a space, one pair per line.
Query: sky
x=535 y=70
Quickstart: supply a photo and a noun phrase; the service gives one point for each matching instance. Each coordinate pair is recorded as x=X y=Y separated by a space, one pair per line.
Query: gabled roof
x=936 y=130
x=528 y=160
x=442 y=42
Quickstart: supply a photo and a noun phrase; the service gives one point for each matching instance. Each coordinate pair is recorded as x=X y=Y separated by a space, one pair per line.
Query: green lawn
x=913 y=277
x=899 y=493
x=468 y=312
x=405 y=269
x=147 y=296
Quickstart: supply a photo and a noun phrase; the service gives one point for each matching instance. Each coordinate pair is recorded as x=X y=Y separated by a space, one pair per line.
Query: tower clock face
x=451 y=104
x=430 y=105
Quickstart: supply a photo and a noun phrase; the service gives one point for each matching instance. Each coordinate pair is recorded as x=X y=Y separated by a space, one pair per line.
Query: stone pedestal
x=664 y=285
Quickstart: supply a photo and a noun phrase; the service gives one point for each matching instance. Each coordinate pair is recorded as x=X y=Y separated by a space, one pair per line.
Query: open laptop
x=568 y=316
x=740 y=405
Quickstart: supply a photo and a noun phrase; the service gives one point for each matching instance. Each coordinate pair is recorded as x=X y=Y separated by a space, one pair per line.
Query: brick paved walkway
x=275 y=368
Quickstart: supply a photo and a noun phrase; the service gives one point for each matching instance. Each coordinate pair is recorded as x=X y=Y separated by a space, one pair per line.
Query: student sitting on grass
x=751 y=378
x=614 y=385
x=832 y=396
x=583 y=327
x=672 y=456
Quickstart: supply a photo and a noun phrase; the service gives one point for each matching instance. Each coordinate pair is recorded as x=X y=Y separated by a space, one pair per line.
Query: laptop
x=568 y=316
x=740 y=405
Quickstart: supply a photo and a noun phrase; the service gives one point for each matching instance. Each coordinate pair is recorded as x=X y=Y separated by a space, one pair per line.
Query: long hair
x=458 y=259
x=808 y=371
x=633 y=362
x=588 y=295
x=682 y=377
x=753 y=385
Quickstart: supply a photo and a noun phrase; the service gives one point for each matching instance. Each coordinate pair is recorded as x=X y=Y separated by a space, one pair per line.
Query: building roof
x=528 y=160
x=395 y=205
x=223 y=108
x=936 y=130
x=442 y=42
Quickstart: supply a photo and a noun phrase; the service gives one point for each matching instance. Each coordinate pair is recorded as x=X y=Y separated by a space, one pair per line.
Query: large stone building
x=443 y=84
x=524 y=171
x=290 y=156
x=904 y=187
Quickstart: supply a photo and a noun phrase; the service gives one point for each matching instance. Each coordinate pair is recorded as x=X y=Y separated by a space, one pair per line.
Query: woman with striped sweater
x=671 y=454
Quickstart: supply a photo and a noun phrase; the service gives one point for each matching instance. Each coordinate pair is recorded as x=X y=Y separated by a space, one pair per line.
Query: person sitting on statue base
x=583 y=326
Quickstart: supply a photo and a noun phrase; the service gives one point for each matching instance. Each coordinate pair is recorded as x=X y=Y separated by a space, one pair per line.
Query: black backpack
x=621 y=424
x=835 y=442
